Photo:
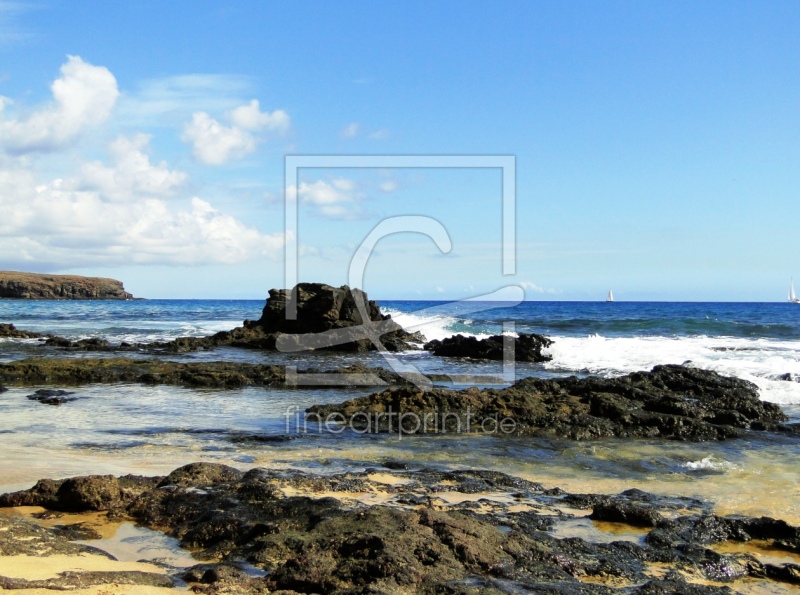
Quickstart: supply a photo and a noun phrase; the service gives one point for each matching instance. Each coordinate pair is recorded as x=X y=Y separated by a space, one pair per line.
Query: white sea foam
x=760 y=361
x=711 y=463
x=433 y=326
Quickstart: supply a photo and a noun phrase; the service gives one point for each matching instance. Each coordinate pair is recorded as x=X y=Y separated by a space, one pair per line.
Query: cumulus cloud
x=381 y=134
x=59 y=224
x=214 y=143
x=337 y=199
x=131 y=173
x=250 y=117
x=126 y=209
x=83 y=96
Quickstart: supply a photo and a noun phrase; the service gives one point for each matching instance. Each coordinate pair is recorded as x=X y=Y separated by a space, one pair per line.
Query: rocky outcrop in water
x=48 y=396
x=528 y=347
x=327 y=318
x=78 y=371
x=502 y=534
x=9 y=331
x=674 y=402
x=32 y=286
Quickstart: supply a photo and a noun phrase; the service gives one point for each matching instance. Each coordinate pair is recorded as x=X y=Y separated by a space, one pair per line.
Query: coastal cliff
x=32 y=286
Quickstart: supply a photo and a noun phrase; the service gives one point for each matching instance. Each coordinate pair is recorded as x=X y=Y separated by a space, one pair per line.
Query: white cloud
x=380 y=134
x=214 y=143
x=388 y=186
x=337 y=199
x=351 y=130
x=531 y=287
x=83 y=97
x=57 y=224
x=132 y=172
x=127 y=209
x=250 y=117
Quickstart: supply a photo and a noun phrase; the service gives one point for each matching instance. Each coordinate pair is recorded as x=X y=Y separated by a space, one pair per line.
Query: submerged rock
x=52 y=397
x=527 y=347
x=674 y=402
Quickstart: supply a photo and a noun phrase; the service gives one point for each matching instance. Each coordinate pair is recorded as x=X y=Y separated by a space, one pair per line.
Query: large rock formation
x=307 y=534
x=327 y=318
x=32 y=286
x=320 y=308
x=673 y=402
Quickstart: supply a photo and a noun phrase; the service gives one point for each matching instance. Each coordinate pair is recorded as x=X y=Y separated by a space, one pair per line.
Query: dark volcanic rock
x=51 y=397
x=9 y=331
x=617 y=511
x=106 y=370
x=93 y=344
x=201 y=475
x=94 y=492
x=80 y=494
x=316 y=540
x=319 y=307
x=673 y=402
x=76 y=371
x=527 y=347
x=33 y=286
x=327 y=318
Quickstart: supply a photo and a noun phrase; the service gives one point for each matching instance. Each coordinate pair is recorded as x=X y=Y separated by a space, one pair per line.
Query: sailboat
x=792 y=295
x=610 y=297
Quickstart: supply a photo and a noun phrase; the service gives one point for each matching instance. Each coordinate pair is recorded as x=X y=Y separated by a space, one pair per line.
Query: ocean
x=759 y=342
x=127 y=428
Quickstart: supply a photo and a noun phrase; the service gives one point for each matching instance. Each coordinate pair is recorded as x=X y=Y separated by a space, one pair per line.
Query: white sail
x=610 y=297
x=792 y=295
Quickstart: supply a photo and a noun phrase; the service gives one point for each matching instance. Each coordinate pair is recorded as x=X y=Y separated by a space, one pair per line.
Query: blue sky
x=657 y=144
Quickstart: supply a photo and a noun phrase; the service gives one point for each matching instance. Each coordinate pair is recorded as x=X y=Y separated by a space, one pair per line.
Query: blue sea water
x=152 y=429
x=756 y=341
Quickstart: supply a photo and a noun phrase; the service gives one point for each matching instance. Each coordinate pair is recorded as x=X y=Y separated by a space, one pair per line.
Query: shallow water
x=151 y=430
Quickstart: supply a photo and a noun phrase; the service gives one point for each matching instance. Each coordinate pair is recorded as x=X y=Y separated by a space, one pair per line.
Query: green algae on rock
x=216 y=374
